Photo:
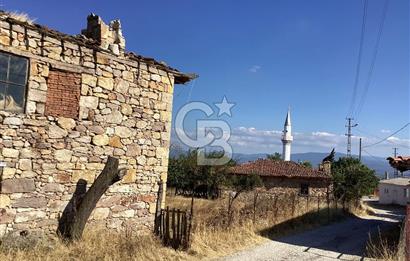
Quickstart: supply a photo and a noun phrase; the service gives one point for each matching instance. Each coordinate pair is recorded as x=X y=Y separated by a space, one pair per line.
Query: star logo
x=224 y=107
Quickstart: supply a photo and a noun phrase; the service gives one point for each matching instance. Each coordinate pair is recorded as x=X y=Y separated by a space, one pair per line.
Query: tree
x=75 y=215
x=306 y=163
x=276 y=156
x=188 y=177
x=240 y=184
x=352 y=179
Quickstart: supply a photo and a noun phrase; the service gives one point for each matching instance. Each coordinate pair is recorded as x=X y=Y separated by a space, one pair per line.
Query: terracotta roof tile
x=401 y=163
x=267 y=167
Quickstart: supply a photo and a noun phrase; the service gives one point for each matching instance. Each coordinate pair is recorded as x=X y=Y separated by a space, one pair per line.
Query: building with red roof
x=287 y=177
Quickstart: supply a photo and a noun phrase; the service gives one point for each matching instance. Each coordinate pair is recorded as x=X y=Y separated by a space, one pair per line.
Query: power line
x=359 y=60
x=370 y=154
x=378 y=137
x=373 y=61
x=380 y=141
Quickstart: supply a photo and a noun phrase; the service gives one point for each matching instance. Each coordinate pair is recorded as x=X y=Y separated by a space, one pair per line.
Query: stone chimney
x=326 y=167
x=109 y=36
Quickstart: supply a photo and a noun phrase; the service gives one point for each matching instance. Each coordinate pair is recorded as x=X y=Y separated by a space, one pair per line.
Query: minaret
x=287 y=138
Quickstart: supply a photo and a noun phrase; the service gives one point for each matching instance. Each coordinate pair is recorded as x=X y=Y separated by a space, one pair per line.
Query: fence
x=277 y=207
x=173 y=226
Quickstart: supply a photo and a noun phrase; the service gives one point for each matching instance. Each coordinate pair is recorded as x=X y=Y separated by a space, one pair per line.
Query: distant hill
x=379 y=164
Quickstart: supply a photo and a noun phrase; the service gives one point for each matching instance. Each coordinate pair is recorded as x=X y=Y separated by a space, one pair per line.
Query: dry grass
x=387 y=245
x=273 y=218
x=211 y=237
x=96 y=245
x=20 y=16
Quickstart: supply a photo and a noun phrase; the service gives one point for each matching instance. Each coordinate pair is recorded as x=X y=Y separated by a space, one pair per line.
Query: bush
x=187 y=177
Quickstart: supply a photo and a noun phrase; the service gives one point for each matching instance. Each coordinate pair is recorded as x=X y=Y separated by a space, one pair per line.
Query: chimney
x=326 y=167
x=109 y=36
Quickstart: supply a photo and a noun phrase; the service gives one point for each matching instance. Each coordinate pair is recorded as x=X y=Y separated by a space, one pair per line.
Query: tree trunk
x=72 y=228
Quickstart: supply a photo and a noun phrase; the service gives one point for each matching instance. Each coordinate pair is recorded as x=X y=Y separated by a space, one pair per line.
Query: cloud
x=385 y=131
x=323 y=134
x=393 y=139
x=255 y=68
x=252 y=140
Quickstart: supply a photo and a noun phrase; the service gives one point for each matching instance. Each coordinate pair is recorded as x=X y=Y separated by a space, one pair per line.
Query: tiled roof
x=401 y=163
x=279 y=168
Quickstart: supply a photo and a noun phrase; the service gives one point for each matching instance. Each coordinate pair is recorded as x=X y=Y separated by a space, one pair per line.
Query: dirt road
x=345 y=240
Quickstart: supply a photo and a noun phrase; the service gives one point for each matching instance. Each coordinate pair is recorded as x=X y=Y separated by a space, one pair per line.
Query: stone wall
x=122 y=108
x=291 y=186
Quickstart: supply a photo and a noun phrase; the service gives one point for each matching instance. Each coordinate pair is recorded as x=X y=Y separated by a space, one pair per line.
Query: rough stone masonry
x=79 y=100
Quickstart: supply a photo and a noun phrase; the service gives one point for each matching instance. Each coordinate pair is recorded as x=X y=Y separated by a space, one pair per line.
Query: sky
x=267 y=56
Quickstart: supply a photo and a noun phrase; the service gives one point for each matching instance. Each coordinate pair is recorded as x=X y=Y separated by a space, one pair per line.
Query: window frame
x=304 y=187
x=25 y=85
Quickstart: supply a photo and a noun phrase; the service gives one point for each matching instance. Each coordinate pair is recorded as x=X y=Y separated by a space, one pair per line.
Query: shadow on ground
x=349 y=236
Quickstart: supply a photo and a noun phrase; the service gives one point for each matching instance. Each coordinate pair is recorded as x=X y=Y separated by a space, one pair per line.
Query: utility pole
x=349 y=136
x=396 y=172
x=360 y=149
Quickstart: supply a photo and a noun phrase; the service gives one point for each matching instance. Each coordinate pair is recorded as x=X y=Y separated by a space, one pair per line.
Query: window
x=386 y=191
x=304 y=189
x=13 y=82
x=406 y=192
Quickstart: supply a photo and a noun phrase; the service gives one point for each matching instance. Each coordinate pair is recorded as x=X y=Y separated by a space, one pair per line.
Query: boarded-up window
x=13 y=82
x=63 y=94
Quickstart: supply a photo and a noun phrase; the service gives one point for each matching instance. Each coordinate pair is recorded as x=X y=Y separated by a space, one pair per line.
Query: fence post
x=328 y=206
x=255 y=199
x=335 y=200
x=157 y=221
x=190 y=221
x=178 y=227
x=167 y=232
x=275 y=208
x=318 y=204
x=174 y=235
x=293 y=205
x=307 y=204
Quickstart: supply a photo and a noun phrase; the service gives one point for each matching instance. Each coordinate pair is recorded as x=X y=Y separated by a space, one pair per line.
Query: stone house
x=66 y=104
x=287 y=177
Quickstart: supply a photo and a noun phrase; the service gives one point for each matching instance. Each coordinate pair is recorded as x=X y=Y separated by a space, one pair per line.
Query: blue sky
x=266 y=56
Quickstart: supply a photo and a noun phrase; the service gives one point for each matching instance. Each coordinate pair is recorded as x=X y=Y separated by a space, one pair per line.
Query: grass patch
x=387 y=244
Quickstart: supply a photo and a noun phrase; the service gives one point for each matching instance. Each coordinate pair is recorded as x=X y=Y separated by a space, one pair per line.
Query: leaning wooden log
x=80 y=210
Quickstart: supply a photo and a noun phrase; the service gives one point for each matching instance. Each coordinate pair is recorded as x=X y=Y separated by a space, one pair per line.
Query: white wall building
x=394 y=191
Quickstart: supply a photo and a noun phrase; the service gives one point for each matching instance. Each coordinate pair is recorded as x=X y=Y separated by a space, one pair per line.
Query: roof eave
x=182 y=78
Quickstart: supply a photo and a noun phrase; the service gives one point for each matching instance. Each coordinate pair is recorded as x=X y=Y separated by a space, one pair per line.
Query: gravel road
x=345 y=240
